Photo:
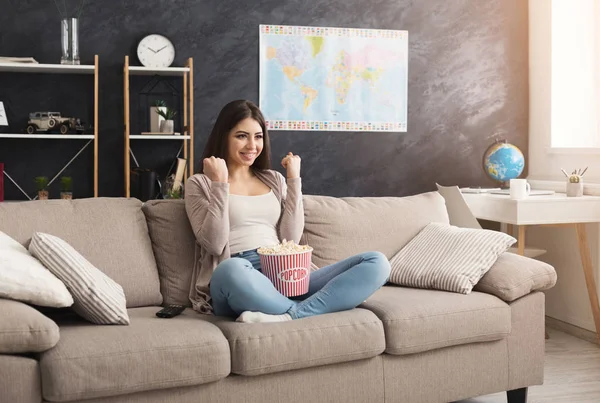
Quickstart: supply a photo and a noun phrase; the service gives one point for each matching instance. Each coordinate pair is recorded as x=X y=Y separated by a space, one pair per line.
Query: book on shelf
x=1 y=181
x=476 y=189
x=179 y=172
x=7 y=59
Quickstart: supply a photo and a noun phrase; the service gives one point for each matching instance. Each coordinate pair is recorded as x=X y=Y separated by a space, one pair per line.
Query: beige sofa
x=402 y=345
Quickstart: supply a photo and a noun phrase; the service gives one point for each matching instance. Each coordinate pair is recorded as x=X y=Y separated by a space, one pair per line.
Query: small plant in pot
x=66 y=186
x=41 y=185
x=166 y=125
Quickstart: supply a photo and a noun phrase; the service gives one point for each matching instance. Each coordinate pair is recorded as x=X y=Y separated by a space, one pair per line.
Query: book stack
x=6 y=59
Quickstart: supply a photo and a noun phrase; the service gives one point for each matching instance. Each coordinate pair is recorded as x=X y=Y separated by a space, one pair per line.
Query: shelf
x=164 y=71
x=48 y=136
x=47 y=68
x=157 y=137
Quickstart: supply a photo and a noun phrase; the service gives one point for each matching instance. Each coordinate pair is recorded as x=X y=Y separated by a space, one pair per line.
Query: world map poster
x=333 y=79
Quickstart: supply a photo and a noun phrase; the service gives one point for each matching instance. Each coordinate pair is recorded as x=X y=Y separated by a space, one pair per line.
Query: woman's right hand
x=216 y=169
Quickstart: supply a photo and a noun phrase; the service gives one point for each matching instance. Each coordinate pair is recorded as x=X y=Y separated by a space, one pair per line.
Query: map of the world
x=335 y=79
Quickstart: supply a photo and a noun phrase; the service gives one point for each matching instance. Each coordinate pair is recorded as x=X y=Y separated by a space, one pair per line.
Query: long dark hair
x=231 y=114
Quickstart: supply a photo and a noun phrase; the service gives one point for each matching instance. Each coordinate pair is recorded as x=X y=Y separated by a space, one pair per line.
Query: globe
x=503 y=161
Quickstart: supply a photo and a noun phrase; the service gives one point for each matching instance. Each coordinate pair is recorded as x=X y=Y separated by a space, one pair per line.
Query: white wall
x=568 y=300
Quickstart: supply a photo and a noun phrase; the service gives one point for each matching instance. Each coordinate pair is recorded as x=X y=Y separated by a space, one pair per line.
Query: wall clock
x=156 y=51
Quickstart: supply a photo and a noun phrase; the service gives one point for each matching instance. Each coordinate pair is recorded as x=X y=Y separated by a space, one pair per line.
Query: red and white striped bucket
x=290 y=274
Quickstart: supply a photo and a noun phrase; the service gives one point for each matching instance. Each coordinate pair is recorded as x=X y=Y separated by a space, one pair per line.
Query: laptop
x=535 y=192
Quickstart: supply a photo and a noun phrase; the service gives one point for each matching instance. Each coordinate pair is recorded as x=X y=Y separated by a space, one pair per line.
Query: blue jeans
x=237 y=285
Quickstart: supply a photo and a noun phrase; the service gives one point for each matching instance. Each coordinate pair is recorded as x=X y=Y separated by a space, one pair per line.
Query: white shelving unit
x=47 y=136
x=158 y=137
x=165 y=71
x=187 y=136
x=47 y=68
x=40 y=68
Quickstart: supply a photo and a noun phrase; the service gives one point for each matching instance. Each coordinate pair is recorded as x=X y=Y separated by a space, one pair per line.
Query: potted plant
x=155 y=117
x=66 y=183
x=172 y=190
x=575 y=182
x=41 y=184
x=166 y=125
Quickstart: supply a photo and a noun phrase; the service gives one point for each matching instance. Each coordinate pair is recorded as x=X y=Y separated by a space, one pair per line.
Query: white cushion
x=449 y=258
x=24 y=278
x=98 y=298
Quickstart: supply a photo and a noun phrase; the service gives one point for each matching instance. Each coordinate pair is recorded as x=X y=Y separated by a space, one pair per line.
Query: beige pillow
x=23 y=329
x=449 y=258
x=174 y=244
x=513 y=276
x=98 y=298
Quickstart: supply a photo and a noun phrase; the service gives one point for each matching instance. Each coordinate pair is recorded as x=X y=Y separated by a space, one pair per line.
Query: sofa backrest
x=337 y=228
x=109 y=232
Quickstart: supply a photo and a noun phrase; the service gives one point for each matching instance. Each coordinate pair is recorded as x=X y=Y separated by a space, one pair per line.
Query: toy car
x=53 y=121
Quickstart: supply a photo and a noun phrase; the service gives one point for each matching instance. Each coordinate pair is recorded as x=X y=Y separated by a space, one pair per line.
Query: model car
x=53 y=121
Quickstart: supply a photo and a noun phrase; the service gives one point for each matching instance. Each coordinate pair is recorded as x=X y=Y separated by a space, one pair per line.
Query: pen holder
x=575 y=189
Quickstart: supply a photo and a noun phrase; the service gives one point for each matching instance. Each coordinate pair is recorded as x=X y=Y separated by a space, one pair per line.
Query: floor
x=571 y=374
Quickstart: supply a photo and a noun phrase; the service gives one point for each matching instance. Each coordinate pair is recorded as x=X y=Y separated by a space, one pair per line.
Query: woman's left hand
x=291 y=163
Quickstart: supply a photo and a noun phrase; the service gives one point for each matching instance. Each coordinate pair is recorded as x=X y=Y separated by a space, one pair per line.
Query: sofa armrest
x=23 y=329
x=513 y=276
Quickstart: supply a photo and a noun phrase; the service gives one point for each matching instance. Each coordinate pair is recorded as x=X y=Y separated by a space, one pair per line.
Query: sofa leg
x=517 y=396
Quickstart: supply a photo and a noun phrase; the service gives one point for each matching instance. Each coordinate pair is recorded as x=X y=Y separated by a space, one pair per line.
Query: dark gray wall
x=467 y=84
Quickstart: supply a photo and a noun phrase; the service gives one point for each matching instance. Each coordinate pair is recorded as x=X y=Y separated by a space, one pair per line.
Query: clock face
x=156 y=51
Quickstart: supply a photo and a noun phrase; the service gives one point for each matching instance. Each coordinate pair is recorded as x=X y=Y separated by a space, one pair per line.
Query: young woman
x=239 y=204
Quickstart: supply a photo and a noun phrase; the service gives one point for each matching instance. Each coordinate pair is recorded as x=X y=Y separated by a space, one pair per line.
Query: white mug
x=519 y=188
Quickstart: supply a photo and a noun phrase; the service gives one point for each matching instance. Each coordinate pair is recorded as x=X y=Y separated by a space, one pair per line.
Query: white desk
x=555 y=210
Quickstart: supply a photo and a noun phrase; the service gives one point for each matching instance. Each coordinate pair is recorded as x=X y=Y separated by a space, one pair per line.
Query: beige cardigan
x=207 y=207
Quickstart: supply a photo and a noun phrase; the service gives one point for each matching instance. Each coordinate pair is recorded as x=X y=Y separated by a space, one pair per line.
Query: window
x=575 y=83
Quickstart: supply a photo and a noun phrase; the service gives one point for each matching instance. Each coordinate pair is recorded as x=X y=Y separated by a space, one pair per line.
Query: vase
x=69 y=38
x=166 y=126
x=43 y=194
x=574 y=189
x=66 y=195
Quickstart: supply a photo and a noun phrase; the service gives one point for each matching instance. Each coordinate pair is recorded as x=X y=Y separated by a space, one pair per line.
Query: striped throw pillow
x=97 y=297
x=449 y=258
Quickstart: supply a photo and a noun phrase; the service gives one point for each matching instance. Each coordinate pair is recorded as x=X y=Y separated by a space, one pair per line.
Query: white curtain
x=575 y=73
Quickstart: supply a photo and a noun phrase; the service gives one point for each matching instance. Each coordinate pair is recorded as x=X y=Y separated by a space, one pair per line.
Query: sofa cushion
x=109 y=232
x=151 y=353
x=98 y=298
x=24 y=329
x=20 y=379
x=262 y=348
x=417 y=320
x=340 y=227
x=449 y=258
x=174 y=245
x=513 y=276
x=24 y=278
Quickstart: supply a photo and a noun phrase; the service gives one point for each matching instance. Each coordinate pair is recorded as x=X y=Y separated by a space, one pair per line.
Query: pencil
x=563 y=171
x=584 y=171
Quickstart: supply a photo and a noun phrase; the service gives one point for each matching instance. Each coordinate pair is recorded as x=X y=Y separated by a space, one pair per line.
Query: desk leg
x=521 y=240
x=510 y=229
x=588 y=271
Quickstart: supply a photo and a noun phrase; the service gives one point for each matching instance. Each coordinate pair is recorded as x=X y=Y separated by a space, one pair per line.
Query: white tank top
x=253 y=221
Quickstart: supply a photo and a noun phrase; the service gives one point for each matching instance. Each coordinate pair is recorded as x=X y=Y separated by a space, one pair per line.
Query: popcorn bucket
x=289 y=273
